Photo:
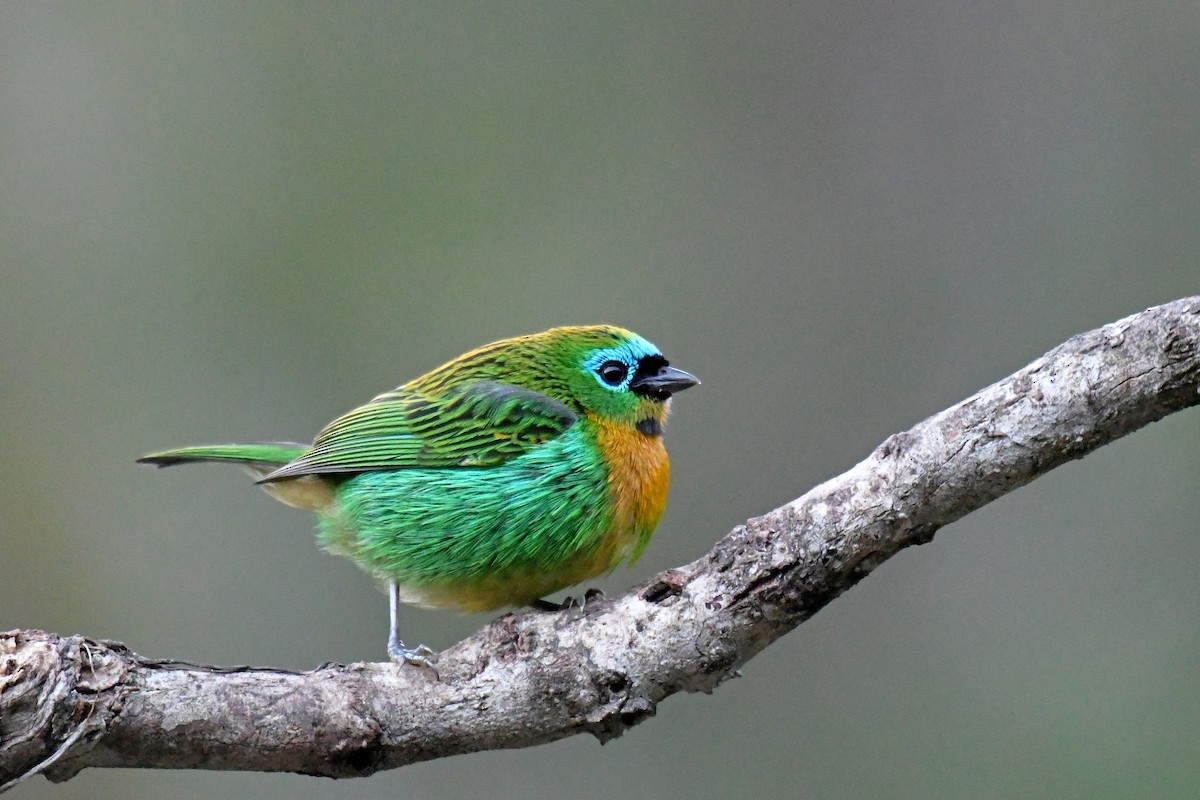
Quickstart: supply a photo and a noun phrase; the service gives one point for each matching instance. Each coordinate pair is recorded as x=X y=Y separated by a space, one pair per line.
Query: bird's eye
x=613 y=372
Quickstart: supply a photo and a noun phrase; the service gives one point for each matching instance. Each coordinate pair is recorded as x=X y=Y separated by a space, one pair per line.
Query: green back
x=481 y=409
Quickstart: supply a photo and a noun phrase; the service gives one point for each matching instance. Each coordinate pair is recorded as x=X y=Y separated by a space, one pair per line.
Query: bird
x=520 y=468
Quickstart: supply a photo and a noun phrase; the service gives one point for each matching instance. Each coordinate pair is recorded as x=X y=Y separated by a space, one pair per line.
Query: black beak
x=663 y=382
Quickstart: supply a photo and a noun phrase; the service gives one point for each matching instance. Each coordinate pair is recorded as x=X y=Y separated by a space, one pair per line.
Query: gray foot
x=419 y=656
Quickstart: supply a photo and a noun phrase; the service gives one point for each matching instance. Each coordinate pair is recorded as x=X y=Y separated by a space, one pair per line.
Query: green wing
x=477 y=425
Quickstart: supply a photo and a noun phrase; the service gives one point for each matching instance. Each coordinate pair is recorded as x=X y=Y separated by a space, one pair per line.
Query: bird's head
x=604 y=370
x=619 y=376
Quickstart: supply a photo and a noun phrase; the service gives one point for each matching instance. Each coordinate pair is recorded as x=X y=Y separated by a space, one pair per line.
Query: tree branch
x=67 y=703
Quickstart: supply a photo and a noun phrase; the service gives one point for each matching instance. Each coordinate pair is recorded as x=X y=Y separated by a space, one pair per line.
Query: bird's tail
x=259 y=457
x=306 y=491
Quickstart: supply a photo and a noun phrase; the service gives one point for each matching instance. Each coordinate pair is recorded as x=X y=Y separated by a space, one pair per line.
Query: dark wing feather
x=477 y=425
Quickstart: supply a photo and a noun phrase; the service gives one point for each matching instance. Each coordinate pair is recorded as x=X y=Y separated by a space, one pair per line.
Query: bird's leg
x=419 y=656
x=568 y=602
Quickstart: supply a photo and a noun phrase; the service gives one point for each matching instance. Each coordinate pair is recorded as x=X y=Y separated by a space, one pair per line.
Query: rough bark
x=67 y=703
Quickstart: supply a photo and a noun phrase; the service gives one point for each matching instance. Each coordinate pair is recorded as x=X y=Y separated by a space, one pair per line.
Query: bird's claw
x=589 y=595
x=568 y=602
x=419 y=656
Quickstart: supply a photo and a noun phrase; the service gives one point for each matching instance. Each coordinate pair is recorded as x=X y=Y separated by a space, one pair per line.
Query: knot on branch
x=57 y=694
x=618 y=706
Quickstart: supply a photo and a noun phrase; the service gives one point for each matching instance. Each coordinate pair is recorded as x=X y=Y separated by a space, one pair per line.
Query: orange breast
x=639 y=474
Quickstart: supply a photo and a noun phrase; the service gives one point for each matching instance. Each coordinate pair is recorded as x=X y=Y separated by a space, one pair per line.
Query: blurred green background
x=230 y=221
